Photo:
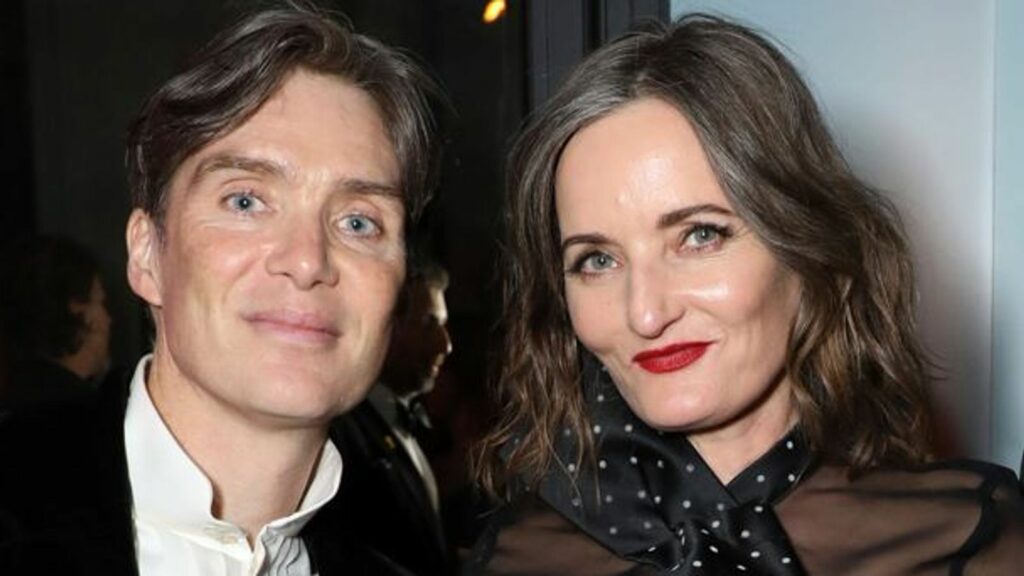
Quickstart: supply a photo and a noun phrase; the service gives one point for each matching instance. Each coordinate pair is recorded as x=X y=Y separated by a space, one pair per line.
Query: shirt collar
x=170 y=490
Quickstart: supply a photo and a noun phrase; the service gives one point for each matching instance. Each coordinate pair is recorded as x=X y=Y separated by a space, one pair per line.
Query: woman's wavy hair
x=859 y=370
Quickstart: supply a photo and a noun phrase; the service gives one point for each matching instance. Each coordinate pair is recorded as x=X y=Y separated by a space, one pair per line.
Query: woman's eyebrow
x=676 y=216
x=583 y=239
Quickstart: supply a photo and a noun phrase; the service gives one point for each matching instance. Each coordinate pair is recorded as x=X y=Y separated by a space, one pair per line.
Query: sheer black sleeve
x=947 y=519
x=953 y=518
x=528 y=538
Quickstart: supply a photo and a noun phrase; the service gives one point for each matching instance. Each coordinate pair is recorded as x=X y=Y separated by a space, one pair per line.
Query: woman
x=711 y=359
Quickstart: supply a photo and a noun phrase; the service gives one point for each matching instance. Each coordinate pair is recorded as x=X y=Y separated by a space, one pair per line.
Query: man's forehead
x=313 y=122
x=282 y=169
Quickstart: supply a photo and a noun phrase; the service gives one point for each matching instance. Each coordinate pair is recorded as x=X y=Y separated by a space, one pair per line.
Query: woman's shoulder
x=528 y=537
x=947 y=514
x=957 y=480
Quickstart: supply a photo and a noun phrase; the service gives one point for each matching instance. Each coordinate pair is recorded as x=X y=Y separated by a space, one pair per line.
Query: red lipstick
x=672 y=357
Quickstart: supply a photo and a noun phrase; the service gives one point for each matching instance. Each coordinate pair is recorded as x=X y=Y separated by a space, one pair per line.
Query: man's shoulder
x=60 y=450
x=38 y=381
x=65 y=502
x=338 y=546
x=36 y=434
x=339 y=552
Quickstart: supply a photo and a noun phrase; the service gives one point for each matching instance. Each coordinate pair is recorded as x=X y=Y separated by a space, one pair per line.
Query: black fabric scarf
x=652 y=499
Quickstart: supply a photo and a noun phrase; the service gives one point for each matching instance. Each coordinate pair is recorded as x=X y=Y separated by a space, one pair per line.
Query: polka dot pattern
x=651 y=498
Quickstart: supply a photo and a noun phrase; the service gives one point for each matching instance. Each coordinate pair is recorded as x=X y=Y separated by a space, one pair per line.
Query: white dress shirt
x=176 y=532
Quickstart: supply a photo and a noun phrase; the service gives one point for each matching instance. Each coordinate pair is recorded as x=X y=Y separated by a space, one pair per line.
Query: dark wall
x=482 y=70
x=482 y=67
x=91 y=64
x=17 y=215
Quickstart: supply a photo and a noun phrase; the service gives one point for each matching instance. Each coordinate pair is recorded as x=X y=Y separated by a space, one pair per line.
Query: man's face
x=274 y=284
x=420 y=343
x=96 y=331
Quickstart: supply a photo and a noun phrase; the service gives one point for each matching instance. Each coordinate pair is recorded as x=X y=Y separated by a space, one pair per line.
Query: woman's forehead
x=644 y=156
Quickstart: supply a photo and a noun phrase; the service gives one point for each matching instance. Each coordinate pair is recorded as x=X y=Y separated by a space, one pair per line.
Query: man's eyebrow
x=363 y=186
x=229 y=161
x=676 y=216
x=273 y=168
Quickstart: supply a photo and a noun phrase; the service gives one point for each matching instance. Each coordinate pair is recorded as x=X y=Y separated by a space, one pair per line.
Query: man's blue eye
x=359 y=225
x=244 y=202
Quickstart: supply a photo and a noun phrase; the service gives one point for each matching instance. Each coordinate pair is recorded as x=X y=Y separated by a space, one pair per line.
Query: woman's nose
x=653 y=302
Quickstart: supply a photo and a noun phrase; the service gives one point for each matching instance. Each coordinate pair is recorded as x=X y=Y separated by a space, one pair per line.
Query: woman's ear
x=143 y=255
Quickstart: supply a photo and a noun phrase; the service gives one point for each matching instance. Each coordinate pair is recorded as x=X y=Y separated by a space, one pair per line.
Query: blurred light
x=495 y=9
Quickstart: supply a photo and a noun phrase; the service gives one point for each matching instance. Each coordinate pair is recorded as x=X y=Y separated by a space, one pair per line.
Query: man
x=272 y=181
x=54 y=307
x=389 y=488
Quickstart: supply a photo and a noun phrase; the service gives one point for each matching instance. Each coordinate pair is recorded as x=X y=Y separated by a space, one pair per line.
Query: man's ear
x=143 y=254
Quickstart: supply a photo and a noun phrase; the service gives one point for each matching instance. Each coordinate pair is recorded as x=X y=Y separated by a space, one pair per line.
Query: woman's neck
x=731 y=448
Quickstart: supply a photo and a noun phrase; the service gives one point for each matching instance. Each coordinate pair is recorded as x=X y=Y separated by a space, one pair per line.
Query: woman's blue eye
x=703 y=235
x=593 y=263
x=359 y=225
x=600 y=261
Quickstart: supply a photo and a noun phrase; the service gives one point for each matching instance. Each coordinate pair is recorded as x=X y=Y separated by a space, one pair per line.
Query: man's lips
x=672 y=357
x=295 y=325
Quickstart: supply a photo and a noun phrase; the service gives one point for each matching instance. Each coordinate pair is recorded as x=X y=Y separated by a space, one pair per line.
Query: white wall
x=909 y=91
x=1008 y=312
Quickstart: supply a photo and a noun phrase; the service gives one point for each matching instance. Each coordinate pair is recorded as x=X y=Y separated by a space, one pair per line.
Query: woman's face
x=666 y=285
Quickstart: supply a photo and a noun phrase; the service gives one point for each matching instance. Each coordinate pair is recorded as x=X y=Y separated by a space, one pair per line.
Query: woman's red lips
x=671 y=358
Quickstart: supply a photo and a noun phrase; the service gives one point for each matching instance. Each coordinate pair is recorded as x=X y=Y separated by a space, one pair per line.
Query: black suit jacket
x=384 y=495
x=65 y=498
x=38 y=381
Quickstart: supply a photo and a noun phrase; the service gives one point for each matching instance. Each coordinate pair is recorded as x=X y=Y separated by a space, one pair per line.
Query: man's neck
x=259 y=472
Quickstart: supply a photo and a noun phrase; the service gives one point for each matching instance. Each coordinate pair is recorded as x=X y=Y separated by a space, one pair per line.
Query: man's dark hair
x=227 y=81
x=41 y=277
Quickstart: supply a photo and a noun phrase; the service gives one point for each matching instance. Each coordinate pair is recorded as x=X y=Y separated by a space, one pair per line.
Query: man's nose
x=653 y=302
x=302 y=253
x=444 y=341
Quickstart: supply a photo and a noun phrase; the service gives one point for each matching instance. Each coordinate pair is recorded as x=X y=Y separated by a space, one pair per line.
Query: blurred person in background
x=56 y=322
x=389 y=488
